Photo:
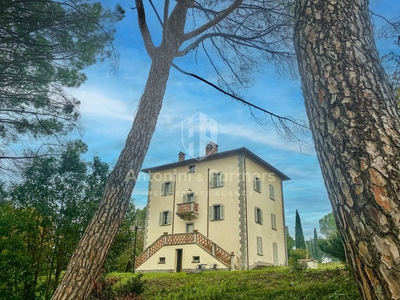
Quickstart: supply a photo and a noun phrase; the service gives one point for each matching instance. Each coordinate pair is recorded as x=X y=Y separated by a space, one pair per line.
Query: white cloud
x=98 y=105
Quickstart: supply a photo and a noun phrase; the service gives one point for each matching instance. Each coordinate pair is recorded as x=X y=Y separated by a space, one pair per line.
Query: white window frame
x=258 y=215
x=166 y=188
x=271 y=192
x=216 y=180
x=212 y=211
x=259 y=246
x=161 y=260
x=257 y=184
x=196 y=259
x=192 y=168
x=165 y=218
x=273 y=221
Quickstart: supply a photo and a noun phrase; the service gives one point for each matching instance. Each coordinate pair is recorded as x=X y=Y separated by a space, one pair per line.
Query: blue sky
x=109 y=102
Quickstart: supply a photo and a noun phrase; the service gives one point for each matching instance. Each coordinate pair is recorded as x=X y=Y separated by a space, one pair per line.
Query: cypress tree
x=316 y=251
x=299 y=236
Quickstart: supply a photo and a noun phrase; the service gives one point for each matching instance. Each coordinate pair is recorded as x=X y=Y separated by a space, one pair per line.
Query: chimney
x=211 y=148
x=181 y=156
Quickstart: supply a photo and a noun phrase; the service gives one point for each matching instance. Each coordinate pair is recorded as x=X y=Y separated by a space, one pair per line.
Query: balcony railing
x=187 y=209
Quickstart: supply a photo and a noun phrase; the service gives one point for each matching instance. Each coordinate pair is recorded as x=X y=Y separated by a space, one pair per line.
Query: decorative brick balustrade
x=182 y=239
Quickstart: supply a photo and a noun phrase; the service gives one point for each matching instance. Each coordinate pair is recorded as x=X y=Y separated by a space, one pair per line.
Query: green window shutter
x=169 y=217
x=170 y=188
x=221 y=178
x=211 y=212
x=275 y=253
x=259 y=246
x=273 y=221
x=271 y=191
x=222 y=211
x=212 y=180
x=256 y=215
x=261 y=217
x=161 y=218
x=163 y=189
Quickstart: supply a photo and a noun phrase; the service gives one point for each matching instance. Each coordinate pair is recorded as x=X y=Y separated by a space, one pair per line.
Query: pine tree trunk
x=93 y=248
x=355 y=124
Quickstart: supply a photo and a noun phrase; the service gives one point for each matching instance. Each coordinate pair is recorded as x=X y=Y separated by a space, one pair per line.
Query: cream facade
x=221 y=211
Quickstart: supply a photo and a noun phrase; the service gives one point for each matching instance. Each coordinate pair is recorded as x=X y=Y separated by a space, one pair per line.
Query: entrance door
x=179 y=253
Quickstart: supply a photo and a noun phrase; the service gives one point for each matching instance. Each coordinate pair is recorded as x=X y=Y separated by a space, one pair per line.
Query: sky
x=109 y=102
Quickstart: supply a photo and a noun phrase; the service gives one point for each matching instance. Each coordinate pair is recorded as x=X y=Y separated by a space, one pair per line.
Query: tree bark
x=92 y=250
x=355 y=124
x=88 y=257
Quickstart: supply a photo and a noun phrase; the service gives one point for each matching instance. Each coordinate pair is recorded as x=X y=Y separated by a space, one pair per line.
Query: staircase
x=185 y=238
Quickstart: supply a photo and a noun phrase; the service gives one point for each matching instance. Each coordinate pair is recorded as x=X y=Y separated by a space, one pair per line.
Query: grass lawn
x=327 y=282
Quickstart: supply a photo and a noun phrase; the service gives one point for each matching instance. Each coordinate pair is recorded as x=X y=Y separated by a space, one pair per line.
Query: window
x=259 y=246
x=257 y=184
x=189 y=197
x=216 y=212
x=189 y=227
x=192 y=168
x=165 y=217
x=271 y=192
x=258 y=215
x=273 y=221
x=161 y=260
x=166 y=188
x=216 y=180
x=195 y=259
x=275 y=253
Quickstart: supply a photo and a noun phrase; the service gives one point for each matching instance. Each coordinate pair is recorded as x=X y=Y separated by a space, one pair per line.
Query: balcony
x=187 y=209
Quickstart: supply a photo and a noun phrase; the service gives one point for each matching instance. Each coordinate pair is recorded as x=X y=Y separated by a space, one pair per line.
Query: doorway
x=179 y=253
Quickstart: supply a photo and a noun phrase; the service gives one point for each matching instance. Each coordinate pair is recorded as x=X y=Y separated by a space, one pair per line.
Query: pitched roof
x=243 y=150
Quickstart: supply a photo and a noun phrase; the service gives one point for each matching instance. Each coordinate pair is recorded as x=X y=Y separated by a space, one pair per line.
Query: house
x=221 y=211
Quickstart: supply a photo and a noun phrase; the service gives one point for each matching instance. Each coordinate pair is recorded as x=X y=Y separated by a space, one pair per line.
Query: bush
x=102 y=289
x=296 y=254
x=132 y=289
x=105 y=288
x=298 y=267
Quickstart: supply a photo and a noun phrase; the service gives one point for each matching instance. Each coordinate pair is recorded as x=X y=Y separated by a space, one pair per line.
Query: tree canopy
x=44 y=46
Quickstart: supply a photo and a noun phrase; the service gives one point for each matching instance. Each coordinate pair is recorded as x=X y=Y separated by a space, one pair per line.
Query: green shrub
x=102 y=289
x=298 y=267
x=296 y=254
x=132 y=289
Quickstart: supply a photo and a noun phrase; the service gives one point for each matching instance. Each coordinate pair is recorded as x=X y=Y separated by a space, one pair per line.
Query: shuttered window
x=258 y=215
x=216 y=180
x=275 y=253
x=259 y=246
x=257 y=184
x=271 y=192
x=189 y=197
x=166 y=188
x=273 y=221
x=216 y=212
x=165 y=217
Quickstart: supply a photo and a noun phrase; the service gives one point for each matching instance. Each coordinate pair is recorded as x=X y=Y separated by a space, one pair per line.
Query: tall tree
x=355 y=124
x=242 y=32
x=44 y=46
x=298 y=233
x=59 y=196
x=316 y=250
x=289 y=241
x=332 y=244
